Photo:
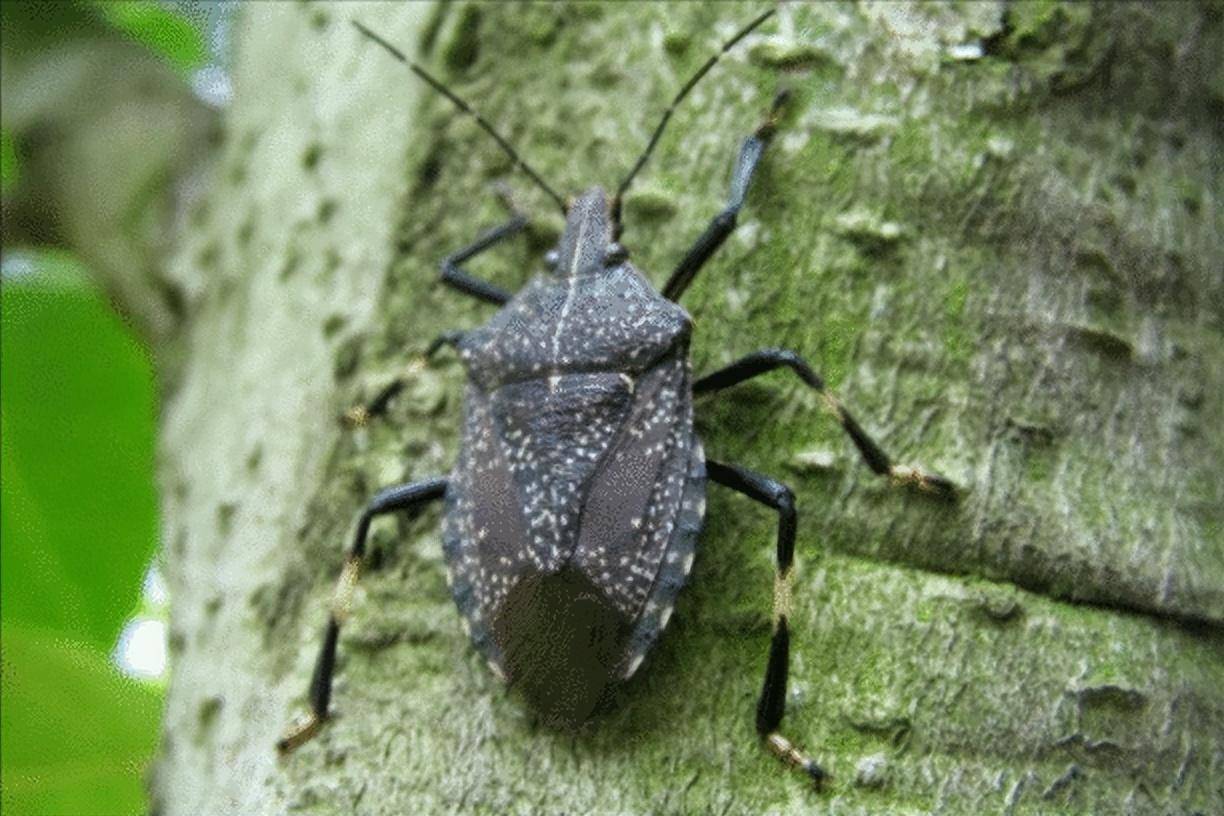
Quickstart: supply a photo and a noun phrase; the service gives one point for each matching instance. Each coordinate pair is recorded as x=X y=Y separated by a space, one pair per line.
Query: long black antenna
x=688 y=86
x=466 y=108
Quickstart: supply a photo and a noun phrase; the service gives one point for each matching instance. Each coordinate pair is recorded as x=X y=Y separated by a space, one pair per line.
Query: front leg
x=768 y=359
x=459 y=278
x=455 y=276
x=724 y=223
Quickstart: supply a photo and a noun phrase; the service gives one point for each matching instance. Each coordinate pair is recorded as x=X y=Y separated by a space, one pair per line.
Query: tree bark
x=994 y=229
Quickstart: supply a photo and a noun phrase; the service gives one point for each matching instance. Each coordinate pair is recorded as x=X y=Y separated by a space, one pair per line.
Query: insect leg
x=724 y=223
x=768 y=359
x=772 y=703
x=455 y=276
x=391 y=500
x=360 y=415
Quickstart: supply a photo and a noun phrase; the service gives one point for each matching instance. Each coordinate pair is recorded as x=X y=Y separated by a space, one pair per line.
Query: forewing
x=633 y=499
x=485 y=535
x=554 y=433
x=675 y=568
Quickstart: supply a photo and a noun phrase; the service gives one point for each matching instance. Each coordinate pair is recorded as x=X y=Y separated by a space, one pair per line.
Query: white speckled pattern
x=578 y=449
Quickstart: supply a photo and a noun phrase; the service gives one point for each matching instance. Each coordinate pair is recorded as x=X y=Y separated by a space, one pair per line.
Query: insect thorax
x=612 y=321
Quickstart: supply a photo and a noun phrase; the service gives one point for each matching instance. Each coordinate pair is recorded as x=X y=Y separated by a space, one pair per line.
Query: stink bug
x=573 y=511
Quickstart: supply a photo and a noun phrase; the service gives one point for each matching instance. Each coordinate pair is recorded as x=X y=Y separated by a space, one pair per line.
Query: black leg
x=459 y=278
x=391 y=500
x=772 y=703
x=769 y=359
x=359 y=415
x=724 y=223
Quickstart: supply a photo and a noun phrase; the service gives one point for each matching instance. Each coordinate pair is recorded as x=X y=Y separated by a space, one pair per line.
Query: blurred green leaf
x=8 y=161
x=161 y=29
x=34 y=28
x=78 y=508
x=75 y=737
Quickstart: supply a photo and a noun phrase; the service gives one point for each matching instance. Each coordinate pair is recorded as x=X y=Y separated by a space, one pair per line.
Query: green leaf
x=77 y=508
x=163 y=30
x=75 y=737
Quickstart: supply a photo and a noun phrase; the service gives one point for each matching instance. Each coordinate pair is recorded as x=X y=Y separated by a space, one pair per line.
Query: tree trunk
x=992 y=227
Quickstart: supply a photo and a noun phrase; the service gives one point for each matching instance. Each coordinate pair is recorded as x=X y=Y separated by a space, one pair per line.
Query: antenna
x=466 y=108
x=688 y=86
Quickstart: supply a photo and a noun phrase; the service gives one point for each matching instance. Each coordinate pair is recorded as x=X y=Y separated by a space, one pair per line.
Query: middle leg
x=360 y=415
x=767 y=360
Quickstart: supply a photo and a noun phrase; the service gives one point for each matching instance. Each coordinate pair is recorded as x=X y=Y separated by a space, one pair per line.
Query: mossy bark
x=993 y=227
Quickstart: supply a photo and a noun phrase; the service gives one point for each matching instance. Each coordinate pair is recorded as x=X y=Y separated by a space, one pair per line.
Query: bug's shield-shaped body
x=574 y=508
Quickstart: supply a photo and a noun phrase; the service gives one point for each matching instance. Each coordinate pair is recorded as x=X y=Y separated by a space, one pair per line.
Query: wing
x=633 y=499
x=484 y=530
x=588 y=473
x=673 y=571
x=529 y=450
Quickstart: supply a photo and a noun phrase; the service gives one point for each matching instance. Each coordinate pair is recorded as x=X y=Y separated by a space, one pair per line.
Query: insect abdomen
x=561 y=642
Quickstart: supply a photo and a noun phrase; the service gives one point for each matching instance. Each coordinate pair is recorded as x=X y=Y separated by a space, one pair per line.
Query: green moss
x=974 y=665
x=793 y=55
x=311 y=156
x=650 y=203
x=677 y=42
x=540 y=26
x=433 y=25
x=1038 y=467
x=838 y=334
x=9 y=165
x=869 y=231
x=463 y=49
x=1031 y=20
x=855 y=126
x=958 y=337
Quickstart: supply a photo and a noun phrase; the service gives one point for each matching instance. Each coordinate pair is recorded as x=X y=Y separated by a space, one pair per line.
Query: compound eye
x=615 y=254
x=551 y=258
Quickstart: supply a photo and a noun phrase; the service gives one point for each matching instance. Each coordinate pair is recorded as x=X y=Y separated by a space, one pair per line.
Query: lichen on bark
x=993 y=227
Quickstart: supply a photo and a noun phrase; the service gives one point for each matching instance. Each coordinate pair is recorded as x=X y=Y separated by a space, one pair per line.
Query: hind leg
x=772 y=703
x=391 y=500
